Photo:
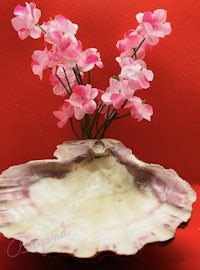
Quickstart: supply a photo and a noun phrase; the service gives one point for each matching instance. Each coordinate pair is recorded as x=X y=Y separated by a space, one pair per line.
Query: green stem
x=113 y=114
x=88 y=129
x=62 y=83
x=73 y=129
x=77 y=75
x=97 y=116
x=41 y=28
x=66 y=77
x=122 y=116
x=83 y=129
x=106 y=124
x=104 y=129
x=137 y=48
x=77 y=78
x=89 y=77
x=108 y=111
x=99 y=130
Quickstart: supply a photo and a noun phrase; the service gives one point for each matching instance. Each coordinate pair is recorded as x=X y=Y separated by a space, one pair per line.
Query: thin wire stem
x=137 y=48
x=66 y=77
x=77 y=75
x=41 y=28
x=106 y=124
x=73 y=129
x=122 y=116
x=62 y=83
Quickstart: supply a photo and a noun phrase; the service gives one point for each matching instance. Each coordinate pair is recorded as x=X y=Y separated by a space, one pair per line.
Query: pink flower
x=65 y=112
x=139 y=110
x=66 y=49
x=40 y=62
x=68 y=55
x=60 y=31
x=25 y=21
x=82 y=99
x=58 y=88
x=88 y=59
x=117 y=93
x=153 y=25
x=135 y=72
x=130 y=42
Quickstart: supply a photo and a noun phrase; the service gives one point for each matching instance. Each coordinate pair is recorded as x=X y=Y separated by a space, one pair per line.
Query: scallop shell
x=96 y=196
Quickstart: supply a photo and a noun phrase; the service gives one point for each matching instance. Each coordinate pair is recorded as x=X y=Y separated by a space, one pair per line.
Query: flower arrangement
x=109 y=200
x=71 y=66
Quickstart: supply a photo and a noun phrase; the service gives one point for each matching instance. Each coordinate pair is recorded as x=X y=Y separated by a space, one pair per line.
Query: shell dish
x=96 y=196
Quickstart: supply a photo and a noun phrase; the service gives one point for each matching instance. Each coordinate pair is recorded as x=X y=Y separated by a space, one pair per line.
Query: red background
x=29 y=131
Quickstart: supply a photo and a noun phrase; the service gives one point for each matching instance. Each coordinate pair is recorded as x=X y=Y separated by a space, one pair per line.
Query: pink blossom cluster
x=63 y=54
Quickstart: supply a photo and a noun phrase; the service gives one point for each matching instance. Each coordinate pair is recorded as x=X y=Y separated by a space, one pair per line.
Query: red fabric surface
x=29 y=131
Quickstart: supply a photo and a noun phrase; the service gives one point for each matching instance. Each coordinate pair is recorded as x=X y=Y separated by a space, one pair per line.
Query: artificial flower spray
x=70 y=68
